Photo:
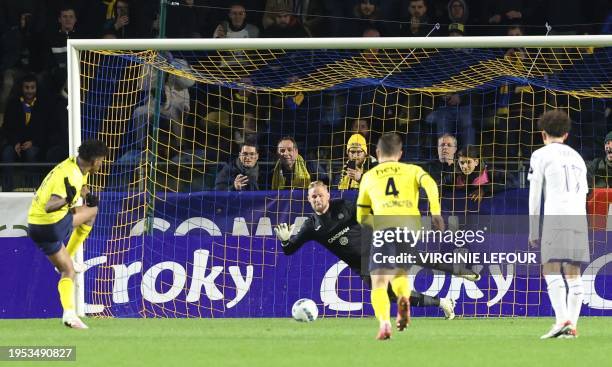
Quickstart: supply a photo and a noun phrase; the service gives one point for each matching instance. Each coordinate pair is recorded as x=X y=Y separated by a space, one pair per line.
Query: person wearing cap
x=358 y=162
x=600 y=168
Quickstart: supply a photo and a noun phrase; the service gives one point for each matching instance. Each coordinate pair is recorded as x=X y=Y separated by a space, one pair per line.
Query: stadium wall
x=217 y=263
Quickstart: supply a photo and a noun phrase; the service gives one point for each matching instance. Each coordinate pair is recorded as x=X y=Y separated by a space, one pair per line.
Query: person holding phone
x=358 y=163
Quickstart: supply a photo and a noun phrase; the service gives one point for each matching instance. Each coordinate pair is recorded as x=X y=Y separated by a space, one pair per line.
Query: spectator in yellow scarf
x=291 y=170
x=358 y=162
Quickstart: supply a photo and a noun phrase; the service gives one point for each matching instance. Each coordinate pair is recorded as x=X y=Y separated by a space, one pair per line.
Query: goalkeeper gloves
x=70 y=191
x=91 y=200
x=283 y=232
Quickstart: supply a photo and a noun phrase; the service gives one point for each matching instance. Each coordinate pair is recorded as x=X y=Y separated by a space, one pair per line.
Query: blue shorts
x=50 y=237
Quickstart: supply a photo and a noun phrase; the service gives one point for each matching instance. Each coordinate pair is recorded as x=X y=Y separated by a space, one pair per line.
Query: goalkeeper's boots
x=470 y=275
x=384 y=332
x=557 y=330
x=448 y=306
x=71 y=320
x=403 y=313
x=572 y=333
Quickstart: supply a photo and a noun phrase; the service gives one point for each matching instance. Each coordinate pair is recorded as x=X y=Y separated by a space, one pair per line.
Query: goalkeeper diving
x=55 y=216
x=335 y=227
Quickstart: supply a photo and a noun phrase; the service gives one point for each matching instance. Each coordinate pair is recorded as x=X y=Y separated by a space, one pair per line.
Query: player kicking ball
x=391 y=191
x=53 y=217
x=561 y=172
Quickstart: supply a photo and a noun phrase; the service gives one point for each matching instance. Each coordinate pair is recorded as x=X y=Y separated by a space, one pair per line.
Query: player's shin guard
x=381 y=304
x=557 y=292
x=575 y=297
x=400 y=286
x=65 y=286
x=77 y=238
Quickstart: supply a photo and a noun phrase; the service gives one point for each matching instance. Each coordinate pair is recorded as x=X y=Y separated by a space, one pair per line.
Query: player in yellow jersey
x=53 y=215
x=386 y=192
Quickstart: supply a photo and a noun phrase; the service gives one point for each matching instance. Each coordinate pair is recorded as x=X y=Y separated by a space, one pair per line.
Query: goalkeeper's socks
x=65 y=286
x=575 y=296
x=77 y=238
x=557 y=292
x=418 y=299
x=400 y=286
x=381 y=304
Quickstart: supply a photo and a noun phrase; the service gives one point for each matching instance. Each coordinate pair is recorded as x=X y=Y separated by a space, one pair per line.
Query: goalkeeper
x=53 y=215
x=334 y=225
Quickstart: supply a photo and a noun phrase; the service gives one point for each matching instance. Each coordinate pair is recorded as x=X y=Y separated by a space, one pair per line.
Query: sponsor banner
x=215 y=255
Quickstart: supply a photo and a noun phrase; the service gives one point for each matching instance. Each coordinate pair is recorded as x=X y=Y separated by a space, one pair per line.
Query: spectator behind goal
x=600 y=168
x=359 y=162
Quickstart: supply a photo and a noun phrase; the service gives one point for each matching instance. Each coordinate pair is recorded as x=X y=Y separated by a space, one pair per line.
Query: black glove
x=70 y=191
x=91 y=200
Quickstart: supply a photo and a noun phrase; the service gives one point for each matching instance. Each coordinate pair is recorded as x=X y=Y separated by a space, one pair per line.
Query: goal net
x=172 y=240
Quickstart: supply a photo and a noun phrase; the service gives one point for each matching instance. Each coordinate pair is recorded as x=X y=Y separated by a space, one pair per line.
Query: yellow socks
x=400 y=286
x=66 y=291
x=381 y=304
x=77 y=238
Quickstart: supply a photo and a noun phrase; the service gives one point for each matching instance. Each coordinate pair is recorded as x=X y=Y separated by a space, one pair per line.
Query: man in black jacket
x=334 y=225
x=241 y=173
x=600 y=168
x=25 y=124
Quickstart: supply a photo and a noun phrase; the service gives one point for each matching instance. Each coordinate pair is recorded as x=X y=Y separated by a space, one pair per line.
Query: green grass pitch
x=333 y=342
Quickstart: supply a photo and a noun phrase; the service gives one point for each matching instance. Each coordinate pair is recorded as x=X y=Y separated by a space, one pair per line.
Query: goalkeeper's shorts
x=50 y=237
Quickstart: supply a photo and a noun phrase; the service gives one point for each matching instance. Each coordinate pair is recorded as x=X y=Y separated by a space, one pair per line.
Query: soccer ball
x=304 y=310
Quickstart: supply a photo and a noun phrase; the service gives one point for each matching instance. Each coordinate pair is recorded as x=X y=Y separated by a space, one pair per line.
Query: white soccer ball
x=304 y=310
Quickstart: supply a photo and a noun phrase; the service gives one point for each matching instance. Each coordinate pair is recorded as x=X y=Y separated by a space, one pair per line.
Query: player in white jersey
x=560 y=172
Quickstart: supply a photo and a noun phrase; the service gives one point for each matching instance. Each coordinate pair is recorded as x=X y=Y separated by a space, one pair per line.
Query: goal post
x=213 y=252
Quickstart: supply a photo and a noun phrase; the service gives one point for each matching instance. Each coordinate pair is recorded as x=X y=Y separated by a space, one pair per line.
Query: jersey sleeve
x=364 y=202
x=536 y=181
x=431 y=189
x=296 y=241
x=56 y=185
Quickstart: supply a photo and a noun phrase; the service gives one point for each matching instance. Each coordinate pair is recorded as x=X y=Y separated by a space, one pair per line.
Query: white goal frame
x=75 y=46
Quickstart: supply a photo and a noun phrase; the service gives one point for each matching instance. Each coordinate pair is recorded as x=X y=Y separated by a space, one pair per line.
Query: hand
x=240 y=181
x=534 y=243
x=26 y=145
x=354 y=174
x=438 y=222
x=23 y=20
x=121 y=22
x=18 y=149
x=514 y=14
x=283 y=232
x=495 y=19
x=219 y=32
x=477 y=195
x=84 y=191
x=70 y=191
x=91 y=200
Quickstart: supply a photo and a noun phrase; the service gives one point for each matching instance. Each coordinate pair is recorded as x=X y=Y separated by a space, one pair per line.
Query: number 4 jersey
x=392 y=188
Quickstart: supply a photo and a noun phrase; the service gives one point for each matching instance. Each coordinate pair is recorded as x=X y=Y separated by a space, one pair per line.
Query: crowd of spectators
x=33 y=74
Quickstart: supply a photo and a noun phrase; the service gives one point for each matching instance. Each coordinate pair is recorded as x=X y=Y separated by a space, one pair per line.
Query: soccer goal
x=170 y=241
